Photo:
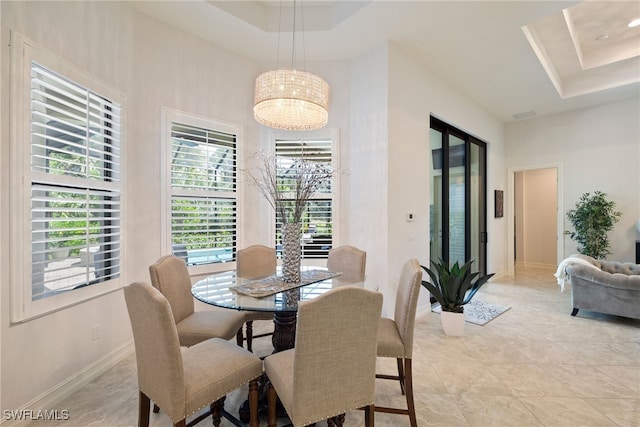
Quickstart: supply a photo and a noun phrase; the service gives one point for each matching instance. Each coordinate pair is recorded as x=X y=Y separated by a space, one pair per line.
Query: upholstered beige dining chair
x=348 y=260
x=170 y=276
x=182 y=381
x=395 y=336
x=331 y=370
x=253 y=262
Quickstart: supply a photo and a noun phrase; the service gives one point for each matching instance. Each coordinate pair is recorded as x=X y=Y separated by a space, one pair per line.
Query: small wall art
x=499 y=203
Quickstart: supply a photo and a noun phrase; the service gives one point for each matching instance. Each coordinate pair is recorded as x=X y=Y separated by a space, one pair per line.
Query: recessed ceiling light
x=634 y=23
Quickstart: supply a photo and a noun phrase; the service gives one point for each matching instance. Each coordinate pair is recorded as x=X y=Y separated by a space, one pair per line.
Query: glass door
x=458 y=196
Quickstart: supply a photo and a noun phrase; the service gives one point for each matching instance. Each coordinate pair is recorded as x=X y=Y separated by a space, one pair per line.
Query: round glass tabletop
x=221 y=289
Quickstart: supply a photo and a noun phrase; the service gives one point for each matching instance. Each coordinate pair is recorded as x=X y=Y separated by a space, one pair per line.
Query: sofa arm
x=612 y=280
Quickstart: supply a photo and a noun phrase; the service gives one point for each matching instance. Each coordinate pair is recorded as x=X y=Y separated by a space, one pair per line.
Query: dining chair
x=331 y=370
x=395 y=336
x=170 y=276
x=348 y=260
x=182 y=381
x=253 y=262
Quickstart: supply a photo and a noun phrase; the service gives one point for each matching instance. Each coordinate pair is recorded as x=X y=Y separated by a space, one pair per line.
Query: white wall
x=599 y=149
x=368 y=187
x=415 y=94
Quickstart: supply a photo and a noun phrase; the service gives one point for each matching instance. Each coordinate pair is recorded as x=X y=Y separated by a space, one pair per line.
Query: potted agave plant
x=453 y=288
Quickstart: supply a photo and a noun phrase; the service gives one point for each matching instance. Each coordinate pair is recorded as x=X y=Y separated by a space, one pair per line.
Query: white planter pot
x=59 y=254
x=452 y=323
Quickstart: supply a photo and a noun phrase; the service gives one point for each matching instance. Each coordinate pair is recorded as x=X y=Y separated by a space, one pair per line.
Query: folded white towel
x=561 y=273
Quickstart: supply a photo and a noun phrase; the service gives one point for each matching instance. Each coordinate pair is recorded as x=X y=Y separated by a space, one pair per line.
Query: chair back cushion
x=335 y=354
x=348 y=260
x=256 y=261
x=158 y=358
x=407 y=302
x=170 y=276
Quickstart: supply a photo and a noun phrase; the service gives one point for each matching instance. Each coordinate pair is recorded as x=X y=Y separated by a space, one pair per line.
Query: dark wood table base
x=284 y=330
x=284 y=338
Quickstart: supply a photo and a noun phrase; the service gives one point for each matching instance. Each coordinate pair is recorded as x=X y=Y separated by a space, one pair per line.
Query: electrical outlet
x=95 y=332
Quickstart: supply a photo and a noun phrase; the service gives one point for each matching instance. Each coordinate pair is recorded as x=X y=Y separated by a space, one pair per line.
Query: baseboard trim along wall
x=51 y=398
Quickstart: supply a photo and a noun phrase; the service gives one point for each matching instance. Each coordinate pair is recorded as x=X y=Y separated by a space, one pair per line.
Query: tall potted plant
x=453 y=288
x=592 y=218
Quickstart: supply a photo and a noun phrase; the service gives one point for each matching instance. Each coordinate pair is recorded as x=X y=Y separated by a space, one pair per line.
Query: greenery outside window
x=66 y=163
x=318 y=220
x=202 y=164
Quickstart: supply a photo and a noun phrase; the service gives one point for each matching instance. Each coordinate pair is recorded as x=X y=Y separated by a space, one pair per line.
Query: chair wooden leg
x=369 y=416
x=240 y=338
x=253 y=403
x=406 y=378
x=144 y=404
x=181 y=423
x=250 y=335
x=156 y=408
x=408 y=381
x=216 y=411
x=272 y=397
x=401 y=374
x=337 y=421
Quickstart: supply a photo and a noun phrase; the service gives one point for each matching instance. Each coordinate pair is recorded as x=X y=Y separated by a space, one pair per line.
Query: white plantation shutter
x=75 y=184
x=317 y=222
x=203 y=200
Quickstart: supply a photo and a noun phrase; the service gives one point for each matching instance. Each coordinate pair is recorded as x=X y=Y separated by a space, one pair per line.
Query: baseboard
x=423 y=311
x=52 y=397
x=497 y=275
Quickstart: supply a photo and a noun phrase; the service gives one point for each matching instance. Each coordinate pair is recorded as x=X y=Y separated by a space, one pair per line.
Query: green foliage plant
x=453 y=287
x=592 y=218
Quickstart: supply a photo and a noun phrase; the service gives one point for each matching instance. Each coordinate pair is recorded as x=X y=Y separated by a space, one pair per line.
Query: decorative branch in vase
x=288 y=184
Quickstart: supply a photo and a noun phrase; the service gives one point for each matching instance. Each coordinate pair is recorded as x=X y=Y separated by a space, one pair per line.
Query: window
x=202 y=169
x=67 y=216
x=318 y=220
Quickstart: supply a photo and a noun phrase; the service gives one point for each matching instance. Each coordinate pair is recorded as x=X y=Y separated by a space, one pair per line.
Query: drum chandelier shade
x=291 y=99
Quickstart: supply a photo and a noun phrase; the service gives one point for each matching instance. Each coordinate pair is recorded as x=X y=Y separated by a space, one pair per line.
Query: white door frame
x=511 y=212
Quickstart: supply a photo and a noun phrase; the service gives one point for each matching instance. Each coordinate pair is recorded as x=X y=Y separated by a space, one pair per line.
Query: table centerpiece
x=288 y=184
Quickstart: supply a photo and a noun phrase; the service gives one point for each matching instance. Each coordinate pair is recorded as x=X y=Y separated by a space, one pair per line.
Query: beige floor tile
x=496 y=411
x=569 y=412
x=439 y=410
x=624 y=412
x=529 y=380
x=626 y=375
x=588 y=381
x=469 y=377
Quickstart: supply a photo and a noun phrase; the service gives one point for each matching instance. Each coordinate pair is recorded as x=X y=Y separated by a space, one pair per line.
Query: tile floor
x=535 y=365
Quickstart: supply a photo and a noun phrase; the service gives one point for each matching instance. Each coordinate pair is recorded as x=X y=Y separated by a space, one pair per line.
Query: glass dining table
x=227 y=290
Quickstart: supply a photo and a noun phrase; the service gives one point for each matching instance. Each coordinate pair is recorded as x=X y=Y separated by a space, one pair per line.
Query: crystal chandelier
x=291 y=99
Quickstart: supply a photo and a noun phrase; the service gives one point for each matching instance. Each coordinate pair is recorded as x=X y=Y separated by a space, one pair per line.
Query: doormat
x=478 y=312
